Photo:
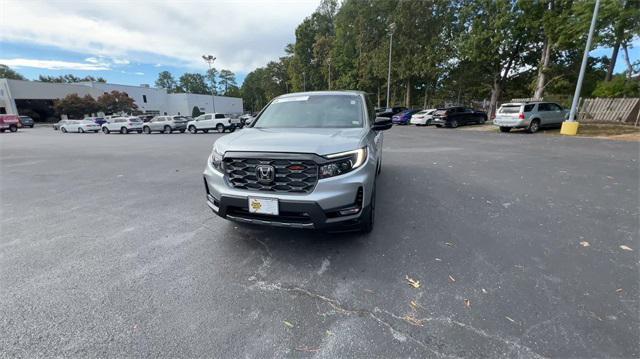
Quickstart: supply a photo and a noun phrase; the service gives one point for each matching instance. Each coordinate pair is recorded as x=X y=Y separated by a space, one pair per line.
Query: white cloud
x=242 y=34
x=53 y=64
x=92 y=60
x=139 y=73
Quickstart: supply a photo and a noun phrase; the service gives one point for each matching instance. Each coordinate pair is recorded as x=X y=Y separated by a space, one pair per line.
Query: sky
x=130 y=42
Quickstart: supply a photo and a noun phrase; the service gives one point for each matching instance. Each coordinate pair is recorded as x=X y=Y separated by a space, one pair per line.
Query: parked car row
x=164 y=124
x=441 y=117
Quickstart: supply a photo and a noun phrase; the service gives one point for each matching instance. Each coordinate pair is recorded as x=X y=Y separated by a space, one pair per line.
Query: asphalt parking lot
x=109 y=249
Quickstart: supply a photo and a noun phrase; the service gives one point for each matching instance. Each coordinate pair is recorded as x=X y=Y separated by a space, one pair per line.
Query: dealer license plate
x=263 y=205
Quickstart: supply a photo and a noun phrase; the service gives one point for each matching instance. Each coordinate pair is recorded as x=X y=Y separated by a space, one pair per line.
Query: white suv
x=123 y=125
x=213 y=121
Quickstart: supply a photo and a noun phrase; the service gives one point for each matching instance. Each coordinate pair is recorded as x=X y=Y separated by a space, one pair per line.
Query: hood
x=321 y=141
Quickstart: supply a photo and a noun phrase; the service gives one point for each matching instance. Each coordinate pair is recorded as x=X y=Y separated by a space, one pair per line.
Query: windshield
x=313 y=111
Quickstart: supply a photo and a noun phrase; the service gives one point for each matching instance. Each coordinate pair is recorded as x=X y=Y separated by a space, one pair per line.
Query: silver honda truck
x=308 y=160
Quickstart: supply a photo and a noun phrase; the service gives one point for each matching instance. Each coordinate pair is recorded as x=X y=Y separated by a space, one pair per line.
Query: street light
x=570 y=127
x=392 y=27
x=209 y=59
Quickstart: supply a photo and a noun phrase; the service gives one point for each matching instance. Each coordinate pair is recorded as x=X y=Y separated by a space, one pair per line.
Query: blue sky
x=131 y=42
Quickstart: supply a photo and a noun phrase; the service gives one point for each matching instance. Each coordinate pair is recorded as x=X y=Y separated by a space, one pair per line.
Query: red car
x=9 y=122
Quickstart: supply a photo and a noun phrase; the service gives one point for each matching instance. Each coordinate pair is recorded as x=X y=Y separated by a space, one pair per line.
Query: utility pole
x=391 y=28
x=209 y=59
x=572 y=126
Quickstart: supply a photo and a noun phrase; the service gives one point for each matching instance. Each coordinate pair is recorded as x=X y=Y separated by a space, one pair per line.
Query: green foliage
x=75 y=106
x=7 y=73
x=195 y=112
x=166 y=81
x=619 y=86
x=193 y=83
x=226 y=80
x=211 y=76
x=69 y=78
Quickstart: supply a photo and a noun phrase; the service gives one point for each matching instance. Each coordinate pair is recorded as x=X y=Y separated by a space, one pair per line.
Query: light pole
x=209 y=59
x=329 y=63
x=571 y=127
x=391 y=28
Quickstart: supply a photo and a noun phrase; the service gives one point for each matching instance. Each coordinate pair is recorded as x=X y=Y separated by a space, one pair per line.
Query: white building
x=17 y=96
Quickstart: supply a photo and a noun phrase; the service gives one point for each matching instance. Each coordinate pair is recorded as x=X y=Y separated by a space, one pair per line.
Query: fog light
x=349 y=211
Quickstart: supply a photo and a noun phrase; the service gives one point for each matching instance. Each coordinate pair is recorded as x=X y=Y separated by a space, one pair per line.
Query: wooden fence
x=620 y=110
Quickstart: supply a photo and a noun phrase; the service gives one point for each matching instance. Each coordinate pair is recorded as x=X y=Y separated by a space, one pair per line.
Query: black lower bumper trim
x=293 y=214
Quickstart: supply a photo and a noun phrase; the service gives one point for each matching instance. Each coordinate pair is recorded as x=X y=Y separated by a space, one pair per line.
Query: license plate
x=263 y=205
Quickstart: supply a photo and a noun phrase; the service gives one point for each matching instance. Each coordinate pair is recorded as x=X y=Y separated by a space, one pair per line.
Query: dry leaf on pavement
x=287 y=324
x=585 y=244
x=467 y=303
x=623 y=247
x=413 y=321
x=619 y=290
x=452 y=279
x=412 y=282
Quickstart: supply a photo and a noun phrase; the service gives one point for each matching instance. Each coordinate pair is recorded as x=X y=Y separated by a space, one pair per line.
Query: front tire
x=13 y=128
x=453 y=124
x=80 y=130
x=64 y=130
x=232 y=128
x=167 y=129
x=123 y=130
x=220 y=128
x=367 y=223
x=193 y=129
x=505 y=129
x=105 y=130
x=146 y=130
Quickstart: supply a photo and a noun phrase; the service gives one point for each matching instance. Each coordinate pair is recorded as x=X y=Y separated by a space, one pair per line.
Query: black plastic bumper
x=293 y=214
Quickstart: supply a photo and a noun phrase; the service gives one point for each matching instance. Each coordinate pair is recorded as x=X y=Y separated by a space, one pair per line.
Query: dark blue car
x=403 y=117
x=98 y=120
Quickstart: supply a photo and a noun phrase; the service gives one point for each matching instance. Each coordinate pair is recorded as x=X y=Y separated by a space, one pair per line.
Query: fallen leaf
x=329 y=332
x=484 y=291
x=287 y=324
x=449 y=244
x=452 y=279
x=415 y=305
x=412 y=282
x=623 y=247
x=585 y=244
x=438 y=260
x=511 y=320
x=467 y=303
x=413 y=321
x=619 y=290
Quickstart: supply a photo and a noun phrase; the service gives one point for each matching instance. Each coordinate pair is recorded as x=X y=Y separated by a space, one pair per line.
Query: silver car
x=529 y=115
x=309 y=160
x=165 y=124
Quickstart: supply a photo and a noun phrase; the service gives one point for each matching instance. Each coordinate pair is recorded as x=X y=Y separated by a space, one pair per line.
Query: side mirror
x=381 y=124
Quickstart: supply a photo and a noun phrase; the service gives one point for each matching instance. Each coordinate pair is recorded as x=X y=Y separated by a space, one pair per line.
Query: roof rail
x=527 y=99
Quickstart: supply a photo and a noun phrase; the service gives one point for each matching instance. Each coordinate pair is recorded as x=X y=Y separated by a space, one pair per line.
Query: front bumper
x=318 y=209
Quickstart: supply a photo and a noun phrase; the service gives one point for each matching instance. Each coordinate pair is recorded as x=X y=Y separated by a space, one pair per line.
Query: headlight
x=216 y=160
x=343 y=162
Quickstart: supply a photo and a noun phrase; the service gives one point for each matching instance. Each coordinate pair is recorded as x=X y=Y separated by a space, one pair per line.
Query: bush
x=195 y=112
x=619 y=86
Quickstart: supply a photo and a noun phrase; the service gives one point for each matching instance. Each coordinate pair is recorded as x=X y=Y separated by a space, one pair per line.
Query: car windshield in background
x=510 y=109
x=313 y=111
x=135 y=120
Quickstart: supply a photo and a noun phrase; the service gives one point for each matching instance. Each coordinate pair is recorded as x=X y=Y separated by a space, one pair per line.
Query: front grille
x=291 y=175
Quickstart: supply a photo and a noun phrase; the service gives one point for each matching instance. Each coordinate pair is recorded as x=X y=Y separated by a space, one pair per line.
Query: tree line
x=76 y=106
x=453 y=50
x=216 y=82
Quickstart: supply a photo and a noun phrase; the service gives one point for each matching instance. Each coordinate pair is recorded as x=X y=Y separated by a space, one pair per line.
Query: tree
x=193 y=83
x=195 y=112
x=621 y=23
x=618 y=86
x=211 y=76
x=116 y=102
x=226 y=79
x=76 y=106
x=69 y=78
x=7 y=73
x=166 y=81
